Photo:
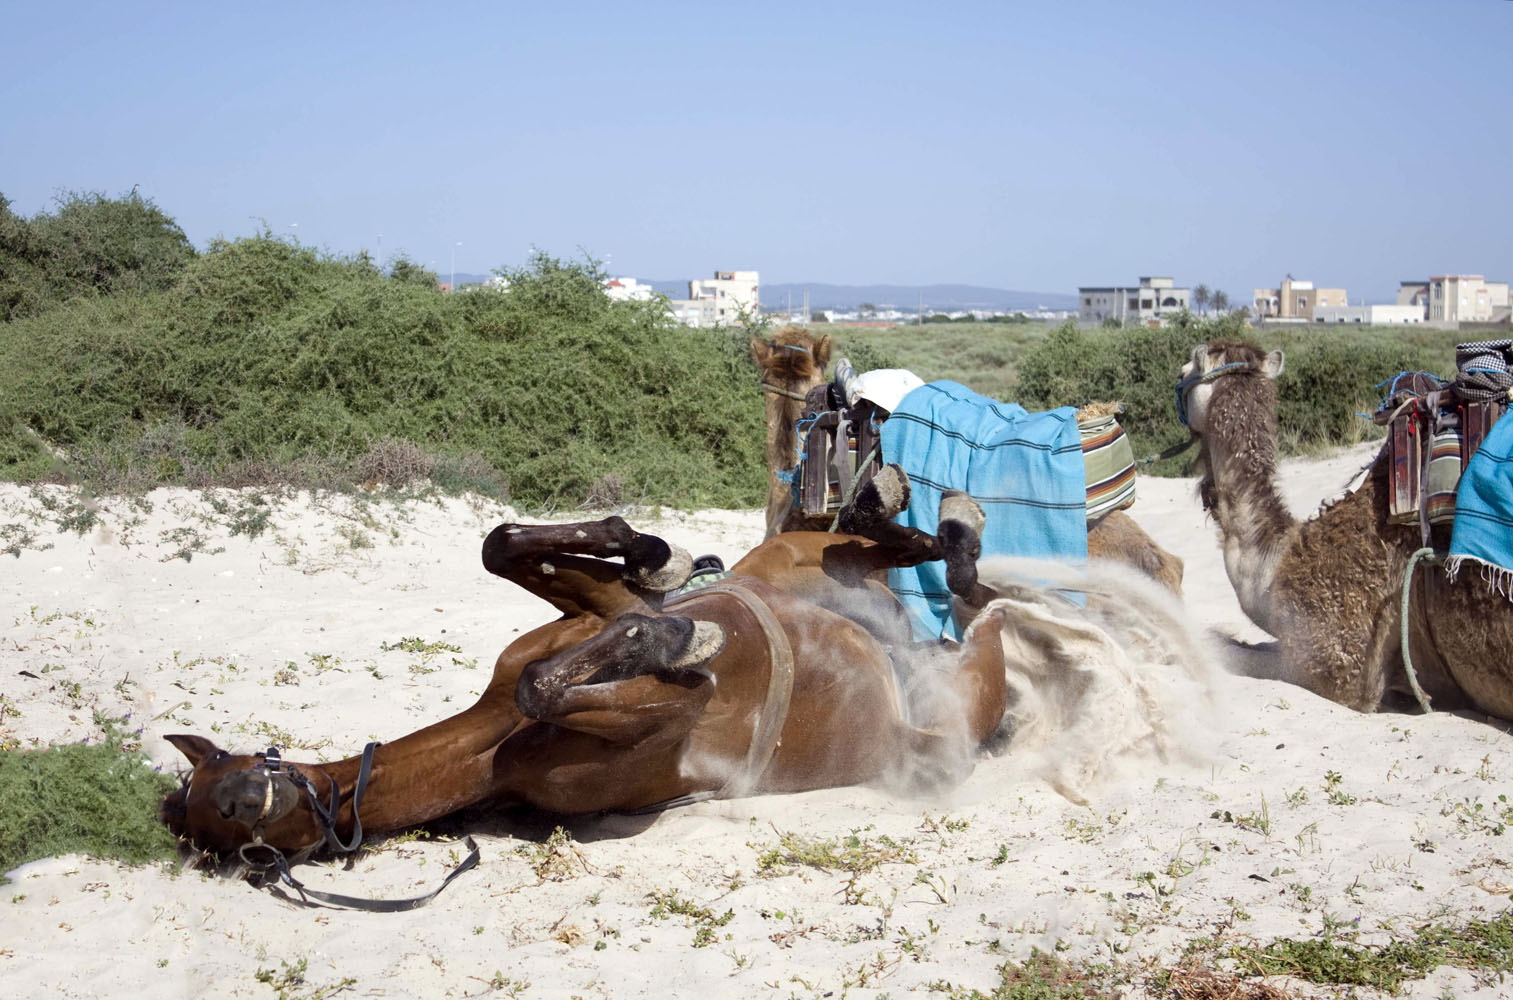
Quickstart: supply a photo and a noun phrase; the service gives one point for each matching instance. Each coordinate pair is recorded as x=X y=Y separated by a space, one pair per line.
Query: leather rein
x=272 y=764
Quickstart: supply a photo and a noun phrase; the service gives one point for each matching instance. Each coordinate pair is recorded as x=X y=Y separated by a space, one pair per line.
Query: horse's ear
x=196 y=748
x=822 y=351
x=1272 y=364
x=761 y=352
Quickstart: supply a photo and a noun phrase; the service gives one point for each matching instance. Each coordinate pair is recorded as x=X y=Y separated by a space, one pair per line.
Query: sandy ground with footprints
x=321 y=623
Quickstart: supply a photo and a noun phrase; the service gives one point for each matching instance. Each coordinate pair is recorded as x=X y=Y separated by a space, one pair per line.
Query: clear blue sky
x=1032 y=146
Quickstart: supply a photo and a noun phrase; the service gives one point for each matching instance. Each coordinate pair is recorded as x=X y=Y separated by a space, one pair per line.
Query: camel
x=634 y=699
x=1329 y=589
x=793 y=363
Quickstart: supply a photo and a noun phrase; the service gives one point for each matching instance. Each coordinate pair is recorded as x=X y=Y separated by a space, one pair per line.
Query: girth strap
x=774 y=713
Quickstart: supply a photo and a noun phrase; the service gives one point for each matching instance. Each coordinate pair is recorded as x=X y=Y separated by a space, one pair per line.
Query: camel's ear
x=761 y=352
x=1272 y=365
x=822 y=351
x=1200 y=355
x=196 y=748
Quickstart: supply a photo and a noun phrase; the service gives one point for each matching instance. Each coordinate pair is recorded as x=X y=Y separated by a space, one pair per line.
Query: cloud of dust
x=1109 y=690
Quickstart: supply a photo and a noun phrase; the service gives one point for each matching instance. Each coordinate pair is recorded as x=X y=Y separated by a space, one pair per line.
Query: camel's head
x=793 y=356
x=1213 y=363
x=231 y=800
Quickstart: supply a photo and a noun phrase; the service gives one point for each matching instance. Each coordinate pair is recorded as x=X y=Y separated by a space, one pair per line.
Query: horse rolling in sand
x=1330 y=588
x=793 y=362
x=633 y=699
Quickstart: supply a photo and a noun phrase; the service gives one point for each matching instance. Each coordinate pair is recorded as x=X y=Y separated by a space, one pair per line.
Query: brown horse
x=779 y=677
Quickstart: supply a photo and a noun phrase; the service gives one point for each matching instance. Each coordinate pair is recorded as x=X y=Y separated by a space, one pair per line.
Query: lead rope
x=1432 y=557
x=327 y=819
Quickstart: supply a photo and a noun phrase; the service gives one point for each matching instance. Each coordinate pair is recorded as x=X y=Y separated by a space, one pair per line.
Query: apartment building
x=1456 y=298
x=720 y=300
x=1148 y=302
x=1296 y=300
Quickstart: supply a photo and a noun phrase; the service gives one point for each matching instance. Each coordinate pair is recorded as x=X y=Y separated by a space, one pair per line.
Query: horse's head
x=229 y=801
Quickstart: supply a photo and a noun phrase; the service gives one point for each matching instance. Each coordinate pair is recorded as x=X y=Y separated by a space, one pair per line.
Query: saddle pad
x=1110 y=464
x=1025 y=469
x=1483 y=530
x=827 y=472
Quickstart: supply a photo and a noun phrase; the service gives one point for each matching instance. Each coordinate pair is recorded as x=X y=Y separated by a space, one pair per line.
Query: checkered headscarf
x=1483 y=369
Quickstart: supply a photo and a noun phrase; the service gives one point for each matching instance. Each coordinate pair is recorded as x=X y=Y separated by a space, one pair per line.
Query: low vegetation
x=130 y=361
x=95 y=798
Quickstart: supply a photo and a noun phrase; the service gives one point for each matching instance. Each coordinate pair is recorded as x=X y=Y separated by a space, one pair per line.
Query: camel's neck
x=432 y=771
x=782 y=414
x=1256 y=528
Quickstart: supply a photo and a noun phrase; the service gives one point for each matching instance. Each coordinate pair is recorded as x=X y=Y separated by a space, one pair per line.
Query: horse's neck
x=432 y=771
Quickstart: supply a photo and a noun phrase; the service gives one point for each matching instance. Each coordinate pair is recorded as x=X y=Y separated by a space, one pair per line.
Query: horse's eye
x=220 y=755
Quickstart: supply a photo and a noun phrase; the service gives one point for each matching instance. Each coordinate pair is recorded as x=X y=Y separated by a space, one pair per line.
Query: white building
x=628 y=290
x=693 y=312
x=1382 y=315
x=719 y=301
x=1149 y=302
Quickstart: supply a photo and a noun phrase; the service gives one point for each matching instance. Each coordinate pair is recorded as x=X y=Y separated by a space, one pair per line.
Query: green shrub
x=91 y=245
x=94 y=798
x=1329 y=383
x=267 y=359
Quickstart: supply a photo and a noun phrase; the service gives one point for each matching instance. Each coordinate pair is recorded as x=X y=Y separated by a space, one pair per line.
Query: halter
x=271 y=764
x=1197 y=378
x=769 y=387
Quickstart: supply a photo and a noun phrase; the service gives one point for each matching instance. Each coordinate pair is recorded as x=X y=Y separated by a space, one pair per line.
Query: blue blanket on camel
x=1025 y=469
x=1483 y=531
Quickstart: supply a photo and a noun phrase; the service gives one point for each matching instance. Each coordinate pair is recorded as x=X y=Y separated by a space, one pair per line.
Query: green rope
x=1434 y=558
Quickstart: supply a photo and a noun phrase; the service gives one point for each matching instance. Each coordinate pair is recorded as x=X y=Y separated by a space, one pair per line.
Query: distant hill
x=937 y=298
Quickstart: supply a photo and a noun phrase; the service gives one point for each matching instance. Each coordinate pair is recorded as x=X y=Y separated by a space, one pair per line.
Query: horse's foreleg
x=549 y=561
x=640 y=678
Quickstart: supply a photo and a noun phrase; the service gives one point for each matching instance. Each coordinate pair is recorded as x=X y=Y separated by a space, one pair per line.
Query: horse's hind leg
x=638 y=677
x=549 y=561
x=968 y=688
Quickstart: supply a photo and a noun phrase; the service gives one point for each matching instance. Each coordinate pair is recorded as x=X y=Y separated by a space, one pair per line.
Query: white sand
x=280 y=639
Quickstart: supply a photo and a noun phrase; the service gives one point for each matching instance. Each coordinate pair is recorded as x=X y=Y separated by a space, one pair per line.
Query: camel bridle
x=270 y=765
x=1200 y=378
x=779 y=390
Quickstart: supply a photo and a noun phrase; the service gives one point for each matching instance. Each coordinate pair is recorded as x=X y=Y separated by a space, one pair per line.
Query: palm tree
x=1200 y=298
x=1220 y=302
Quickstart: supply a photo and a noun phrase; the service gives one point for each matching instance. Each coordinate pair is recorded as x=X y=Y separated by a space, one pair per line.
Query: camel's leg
x=548 y=560
x=638 y=678
x=1344 y=662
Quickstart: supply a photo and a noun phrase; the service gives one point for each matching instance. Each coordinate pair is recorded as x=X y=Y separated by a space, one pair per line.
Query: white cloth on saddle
x=884 y=387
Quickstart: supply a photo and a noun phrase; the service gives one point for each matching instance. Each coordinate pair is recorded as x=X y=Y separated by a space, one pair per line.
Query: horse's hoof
x=892 y=486
x=671 y=575
x=879 y=499
x=705 y=643
x=958 y=506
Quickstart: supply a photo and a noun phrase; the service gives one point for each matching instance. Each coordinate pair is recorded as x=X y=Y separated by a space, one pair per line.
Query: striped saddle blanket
x=1433 y=430
x=830 y=471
